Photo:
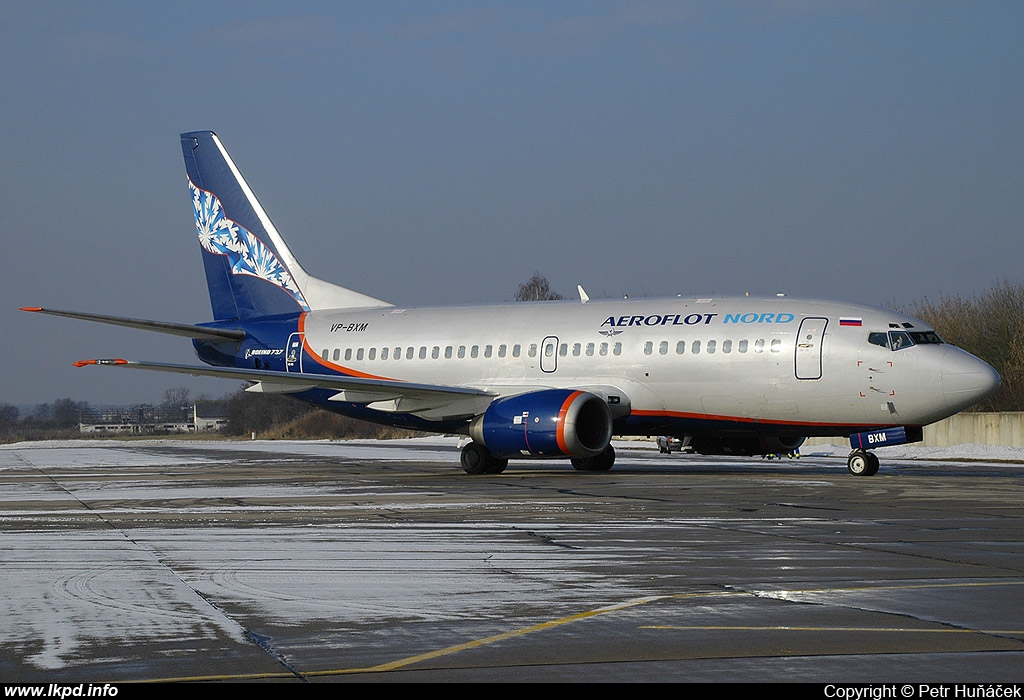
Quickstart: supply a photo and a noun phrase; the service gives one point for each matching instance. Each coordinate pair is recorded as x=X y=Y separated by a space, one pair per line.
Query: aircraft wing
x=217 y=335
x=428 y=401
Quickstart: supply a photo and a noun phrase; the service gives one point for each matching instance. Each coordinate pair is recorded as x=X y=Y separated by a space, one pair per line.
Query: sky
x=444 y=152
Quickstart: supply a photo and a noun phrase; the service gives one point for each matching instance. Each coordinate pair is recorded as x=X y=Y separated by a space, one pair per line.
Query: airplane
x=741 y=376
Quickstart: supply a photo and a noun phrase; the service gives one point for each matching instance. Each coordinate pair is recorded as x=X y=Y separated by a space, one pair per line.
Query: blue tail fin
x=249 y=269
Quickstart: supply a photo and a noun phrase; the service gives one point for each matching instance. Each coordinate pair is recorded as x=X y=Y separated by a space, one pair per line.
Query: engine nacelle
x=546 y=423
x=745 y=446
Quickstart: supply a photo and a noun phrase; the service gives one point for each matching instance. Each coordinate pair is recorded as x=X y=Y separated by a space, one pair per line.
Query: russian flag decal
x=849 y=321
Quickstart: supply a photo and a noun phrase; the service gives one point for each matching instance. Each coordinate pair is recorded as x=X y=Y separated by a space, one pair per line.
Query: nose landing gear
x=862 y=463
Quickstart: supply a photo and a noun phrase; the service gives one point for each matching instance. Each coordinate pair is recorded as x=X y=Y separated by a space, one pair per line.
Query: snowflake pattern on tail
x=247 y=254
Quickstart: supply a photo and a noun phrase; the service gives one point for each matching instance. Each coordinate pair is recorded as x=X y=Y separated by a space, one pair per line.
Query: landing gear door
x=809 y=341
x=293 y=353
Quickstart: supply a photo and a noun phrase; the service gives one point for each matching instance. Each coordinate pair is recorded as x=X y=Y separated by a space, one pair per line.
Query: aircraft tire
x=601 y=463
x=862 y=463
x=476 y=459
x=496 y=465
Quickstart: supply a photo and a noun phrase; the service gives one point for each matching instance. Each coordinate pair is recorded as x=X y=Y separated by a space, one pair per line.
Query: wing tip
x=31 y=309
x=86 y=363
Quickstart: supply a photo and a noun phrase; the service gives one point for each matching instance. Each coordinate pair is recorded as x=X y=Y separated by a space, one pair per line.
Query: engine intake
x=547 y=423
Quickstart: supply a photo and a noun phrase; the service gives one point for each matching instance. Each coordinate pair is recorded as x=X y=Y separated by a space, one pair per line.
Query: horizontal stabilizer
x=217 y=335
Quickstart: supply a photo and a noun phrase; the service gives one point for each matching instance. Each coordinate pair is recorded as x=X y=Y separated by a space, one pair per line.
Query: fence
x=1005 y=429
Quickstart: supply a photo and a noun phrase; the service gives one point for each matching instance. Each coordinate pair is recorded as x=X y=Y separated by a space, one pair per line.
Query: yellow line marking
x=780 y=594
x=455 y=648
x=409 y=660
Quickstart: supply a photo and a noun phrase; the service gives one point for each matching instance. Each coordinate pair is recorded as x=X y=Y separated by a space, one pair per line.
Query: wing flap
x=429 y=401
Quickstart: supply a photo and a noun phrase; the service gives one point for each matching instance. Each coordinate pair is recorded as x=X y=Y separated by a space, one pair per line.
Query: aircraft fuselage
x=671 y=366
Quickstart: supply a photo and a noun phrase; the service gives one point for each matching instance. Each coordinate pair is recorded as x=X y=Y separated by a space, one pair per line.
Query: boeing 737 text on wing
x=737 y=376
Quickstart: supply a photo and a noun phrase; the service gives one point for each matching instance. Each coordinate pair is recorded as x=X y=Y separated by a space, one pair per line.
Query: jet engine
x=546 y=423
x=746 y=445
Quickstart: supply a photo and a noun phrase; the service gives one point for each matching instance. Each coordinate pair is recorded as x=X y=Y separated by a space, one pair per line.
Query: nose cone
x=966 y=380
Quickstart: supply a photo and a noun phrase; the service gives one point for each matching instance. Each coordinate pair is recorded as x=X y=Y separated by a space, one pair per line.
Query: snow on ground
x=133 y=452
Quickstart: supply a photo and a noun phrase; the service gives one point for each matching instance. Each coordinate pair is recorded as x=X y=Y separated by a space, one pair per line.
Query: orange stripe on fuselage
x=341 y=369
x=753 y=421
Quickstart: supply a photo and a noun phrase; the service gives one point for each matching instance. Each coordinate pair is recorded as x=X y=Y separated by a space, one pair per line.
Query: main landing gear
x=601 y=463
x=862 y=463
x=477 y=459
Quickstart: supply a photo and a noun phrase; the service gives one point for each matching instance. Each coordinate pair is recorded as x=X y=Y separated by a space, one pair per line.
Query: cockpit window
x=880 y=339
x=926 y=338
x=899 y=340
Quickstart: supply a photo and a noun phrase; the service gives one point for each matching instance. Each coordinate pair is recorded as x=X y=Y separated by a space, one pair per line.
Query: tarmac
x=334 y=561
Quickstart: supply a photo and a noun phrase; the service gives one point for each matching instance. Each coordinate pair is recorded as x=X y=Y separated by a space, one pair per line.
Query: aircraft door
x=809 y=341
x=549 y=354
x=293 y=353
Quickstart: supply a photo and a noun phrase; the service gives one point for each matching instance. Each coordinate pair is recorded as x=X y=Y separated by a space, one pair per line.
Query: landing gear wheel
x=862 y=463
x=601 y=463
x=477 y=459
x=496 y=465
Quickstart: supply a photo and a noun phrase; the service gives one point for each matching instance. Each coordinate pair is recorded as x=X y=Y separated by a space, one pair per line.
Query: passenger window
x=663 y=348
x=603 y=349
x=726 y=346
x=681 y=347
x=617 y=349
x=348 y=354
x=712 y=344
x=590 y=349
x=648 y=347
x=372 y=354
x=695 y=348
x=502 y=349
x=423 y=352
x=743 y=346
x=435 y=352
x=384 y=353
x=516 y=349
x=759 y=345
x=576 y=349
x=448 y=352
x=776 y=345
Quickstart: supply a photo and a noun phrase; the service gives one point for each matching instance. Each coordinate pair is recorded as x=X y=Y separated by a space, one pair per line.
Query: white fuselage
x=773 y=360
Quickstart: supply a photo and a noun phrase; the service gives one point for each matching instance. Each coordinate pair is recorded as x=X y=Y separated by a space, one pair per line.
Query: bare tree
x=537 y=289
x=8 y=418
x=990 y=326
x=177 y=403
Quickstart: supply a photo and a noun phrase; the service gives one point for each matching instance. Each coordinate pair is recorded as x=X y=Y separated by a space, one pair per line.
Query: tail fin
x=249 y=269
